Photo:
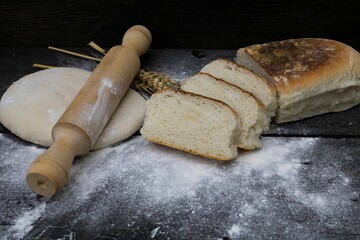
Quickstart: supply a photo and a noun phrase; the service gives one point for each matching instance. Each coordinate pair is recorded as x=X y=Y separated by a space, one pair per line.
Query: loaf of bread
x=192 y=123
x=246 y=79
x=252 y=117
x=229 y=105
x=312 y=75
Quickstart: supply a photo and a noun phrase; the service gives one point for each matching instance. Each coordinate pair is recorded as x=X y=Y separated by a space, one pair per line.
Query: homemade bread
x=191 y=123
x=251 y=112
x=312 y=75
x=246 y=79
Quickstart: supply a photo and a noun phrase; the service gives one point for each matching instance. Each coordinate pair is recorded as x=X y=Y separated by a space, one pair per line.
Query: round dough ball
x=32 y=105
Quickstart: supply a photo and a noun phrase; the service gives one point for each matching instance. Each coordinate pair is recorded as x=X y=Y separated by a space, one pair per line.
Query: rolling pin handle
x=49 y=173
x=46 y=176
x=137 y=38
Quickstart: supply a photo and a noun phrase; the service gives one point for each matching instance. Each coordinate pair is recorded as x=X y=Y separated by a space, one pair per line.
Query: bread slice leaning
x=246 y=79
x=191 y=123
x=252 y=117
x=312 y=75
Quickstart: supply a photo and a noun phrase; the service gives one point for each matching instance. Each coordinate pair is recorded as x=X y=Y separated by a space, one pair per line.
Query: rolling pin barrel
x=85 y=118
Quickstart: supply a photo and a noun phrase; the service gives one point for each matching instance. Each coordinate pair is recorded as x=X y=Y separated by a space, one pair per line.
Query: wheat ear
x=152 y=82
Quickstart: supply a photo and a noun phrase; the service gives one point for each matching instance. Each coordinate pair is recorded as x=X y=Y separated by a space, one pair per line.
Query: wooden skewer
x=74 y=53
x=97 y=47
x=43 y=66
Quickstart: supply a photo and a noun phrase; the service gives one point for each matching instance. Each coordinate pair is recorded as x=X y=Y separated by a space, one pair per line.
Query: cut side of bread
x=192 y=123
x=246 y=79
x=312 y=75
x=252 y=117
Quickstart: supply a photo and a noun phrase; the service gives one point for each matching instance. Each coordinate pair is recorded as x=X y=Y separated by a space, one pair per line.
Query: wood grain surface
x=177 y=24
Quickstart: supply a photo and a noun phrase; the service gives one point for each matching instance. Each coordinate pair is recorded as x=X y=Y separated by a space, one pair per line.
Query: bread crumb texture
x=191 y=123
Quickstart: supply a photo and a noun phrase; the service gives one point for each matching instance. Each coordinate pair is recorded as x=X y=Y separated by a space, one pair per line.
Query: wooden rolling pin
x=85 y=118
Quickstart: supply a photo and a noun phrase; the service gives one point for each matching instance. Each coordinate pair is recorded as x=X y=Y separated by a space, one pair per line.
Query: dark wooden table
x=303 y=184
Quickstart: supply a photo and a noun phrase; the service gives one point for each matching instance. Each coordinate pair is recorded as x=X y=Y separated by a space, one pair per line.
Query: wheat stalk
x=152 y=82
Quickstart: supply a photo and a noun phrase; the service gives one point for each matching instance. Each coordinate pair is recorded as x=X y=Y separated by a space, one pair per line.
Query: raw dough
x=32 y=105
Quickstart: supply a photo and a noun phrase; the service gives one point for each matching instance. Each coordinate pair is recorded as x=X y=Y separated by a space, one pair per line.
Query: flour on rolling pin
x=113 y=75
x=94 y=115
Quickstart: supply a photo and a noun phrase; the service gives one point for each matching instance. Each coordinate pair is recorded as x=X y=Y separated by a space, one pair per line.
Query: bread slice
x=246 y=79
x=191 y=123
x=252 y=117
x=312 y=75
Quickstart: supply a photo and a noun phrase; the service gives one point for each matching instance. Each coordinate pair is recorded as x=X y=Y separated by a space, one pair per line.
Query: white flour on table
x=156 y=182
x=24 y=223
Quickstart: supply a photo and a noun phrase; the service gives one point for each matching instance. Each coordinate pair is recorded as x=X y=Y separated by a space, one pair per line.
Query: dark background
x=177 y=24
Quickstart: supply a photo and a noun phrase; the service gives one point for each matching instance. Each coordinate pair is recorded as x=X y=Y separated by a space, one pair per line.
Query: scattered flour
x=106 y=82
x=138 y=182
x=234 y=231
x=154 y=232
x=24 y=223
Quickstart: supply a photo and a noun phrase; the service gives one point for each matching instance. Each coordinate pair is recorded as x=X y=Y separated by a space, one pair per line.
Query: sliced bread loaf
x=246 y=79
x=252 y=117
x=312 y=75
x=192 y=123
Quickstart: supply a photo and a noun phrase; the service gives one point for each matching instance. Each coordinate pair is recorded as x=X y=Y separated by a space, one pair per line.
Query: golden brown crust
x=298 y=62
